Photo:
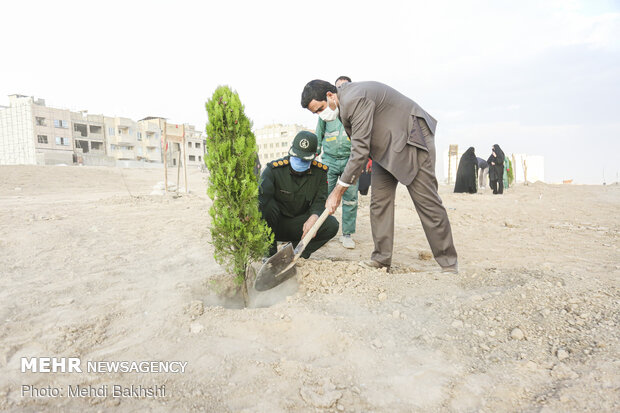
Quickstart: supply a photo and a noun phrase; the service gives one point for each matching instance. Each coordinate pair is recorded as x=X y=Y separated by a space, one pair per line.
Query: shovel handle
x=305 y=240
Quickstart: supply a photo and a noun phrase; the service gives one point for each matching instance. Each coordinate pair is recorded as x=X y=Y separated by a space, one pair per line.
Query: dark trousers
x=497 y=185
x=289 y=229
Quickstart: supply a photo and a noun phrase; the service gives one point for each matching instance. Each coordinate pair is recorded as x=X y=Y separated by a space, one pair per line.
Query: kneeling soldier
x=292 y=195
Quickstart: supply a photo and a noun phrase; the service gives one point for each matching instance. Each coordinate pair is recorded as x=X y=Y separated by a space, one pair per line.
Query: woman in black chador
x=467 y=173
x=496 y=170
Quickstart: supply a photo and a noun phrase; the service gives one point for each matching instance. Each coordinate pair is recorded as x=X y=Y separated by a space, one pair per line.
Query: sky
x=536 y=77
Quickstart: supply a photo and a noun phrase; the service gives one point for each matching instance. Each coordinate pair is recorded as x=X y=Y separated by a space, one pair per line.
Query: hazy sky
x=537 y=77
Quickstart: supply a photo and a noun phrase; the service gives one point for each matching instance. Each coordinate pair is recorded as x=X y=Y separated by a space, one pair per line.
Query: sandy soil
x=92 y=266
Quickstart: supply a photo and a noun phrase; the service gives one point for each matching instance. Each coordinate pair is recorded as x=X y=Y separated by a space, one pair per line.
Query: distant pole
x=179 y=167
x=185 y=158
x=165 y=148
x=453 y=152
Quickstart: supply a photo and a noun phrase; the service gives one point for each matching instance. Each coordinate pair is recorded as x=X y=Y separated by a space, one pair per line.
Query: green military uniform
x=336 y=147
x=288 y=198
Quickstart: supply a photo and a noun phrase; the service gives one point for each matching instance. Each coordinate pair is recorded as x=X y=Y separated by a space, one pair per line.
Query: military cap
x=304 y=146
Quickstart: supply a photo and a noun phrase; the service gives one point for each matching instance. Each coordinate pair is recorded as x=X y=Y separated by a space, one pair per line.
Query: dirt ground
x=93 y=266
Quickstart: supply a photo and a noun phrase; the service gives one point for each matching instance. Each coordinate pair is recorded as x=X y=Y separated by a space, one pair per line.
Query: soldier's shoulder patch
x=319 y=165
x=278 y=163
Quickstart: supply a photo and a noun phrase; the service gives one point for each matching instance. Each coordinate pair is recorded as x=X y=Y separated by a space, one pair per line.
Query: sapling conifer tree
x=238 y=232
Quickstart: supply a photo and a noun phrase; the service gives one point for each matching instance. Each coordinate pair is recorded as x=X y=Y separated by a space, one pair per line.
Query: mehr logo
x=51 y=365
x=304 y=143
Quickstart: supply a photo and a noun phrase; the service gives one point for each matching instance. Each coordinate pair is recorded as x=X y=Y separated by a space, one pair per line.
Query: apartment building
x=122 y=138
x=195 y=146
x=149 y=138
x=88 y=134
x=274 y=141
x=32 y=133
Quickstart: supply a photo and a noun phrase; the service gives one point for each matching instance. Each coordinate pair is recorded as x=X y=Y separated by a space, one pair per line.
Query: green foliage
x=238 y=232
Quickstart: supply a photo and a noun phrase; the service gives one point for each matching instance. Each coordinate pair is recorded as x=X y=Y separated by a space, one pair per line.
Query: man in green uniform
x=336 y=147
x=292 y=195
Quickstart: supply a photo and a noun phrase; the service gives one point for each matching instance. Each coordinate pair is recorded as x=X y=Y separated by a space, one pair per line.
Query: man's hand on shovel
x=333 y=201
x=308 y=224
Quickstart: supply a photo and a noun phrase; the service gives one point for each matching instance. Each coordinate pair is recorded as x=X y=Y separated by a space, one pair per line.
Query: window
x=59 y=123
x=284 y=133
x=42 y=138
x=189 y=144
x=197 y=145
x=94 y=129
x=111 y=131
x=96 y=145
x=41 y=122
x=120 y=131
x=139 y=136
x=284 y=144
x=199 y=158
x=80 y=127
x=192 y=158
x=62 y=141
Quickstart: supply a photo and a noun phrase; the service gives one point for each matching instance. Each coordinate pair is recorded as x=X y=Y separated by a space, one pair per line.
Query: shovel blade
x=277 y=269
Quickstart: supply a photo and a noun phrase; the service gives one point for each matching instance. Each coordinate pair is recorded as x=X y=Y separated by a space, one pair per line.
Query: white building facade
x=274 y=141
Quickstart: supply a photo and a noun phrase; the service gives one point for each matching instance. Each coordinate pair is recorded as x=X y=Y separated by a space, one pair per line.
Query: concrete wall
x=54 y=157
x=535 y=167
x=139 y=164
x=98 y=160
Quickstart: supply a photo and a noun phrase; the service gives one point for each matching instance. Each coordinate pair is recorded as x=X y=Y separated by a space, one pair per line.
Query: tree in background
x=238 y=232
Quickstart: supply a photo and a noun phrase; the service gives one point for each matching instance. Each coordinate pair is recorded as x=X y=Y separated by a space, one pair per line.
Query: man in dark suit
x=398 y=135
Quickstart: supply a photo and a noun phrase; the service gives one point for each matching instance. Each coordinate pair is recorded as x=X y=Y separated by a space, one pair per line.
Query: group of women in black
x=467 y=172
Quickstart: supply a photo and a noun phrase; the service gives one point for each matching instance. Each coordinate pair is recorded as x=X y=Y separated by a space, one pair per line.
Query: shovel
x=279 y=267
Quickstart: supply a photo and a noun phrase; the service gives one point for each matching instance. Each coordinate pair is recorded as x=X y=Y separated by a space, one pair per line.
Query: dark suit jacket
x=383 y=124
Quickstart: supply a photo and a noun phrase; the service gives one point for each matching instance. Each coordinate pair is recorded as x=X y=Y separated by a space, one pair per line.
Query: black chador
x=467 y=173
x=496 y=170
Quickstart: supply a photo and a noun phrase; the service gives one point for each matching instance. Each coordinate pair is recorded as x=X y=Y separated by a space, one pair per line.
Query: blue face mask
x=299 y=165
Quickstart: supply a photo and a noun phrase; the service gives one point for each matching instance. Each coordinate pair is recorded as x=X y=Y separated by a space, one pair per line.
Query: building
x=122 y=138
x=149 y=138
x=274 y=141
x=150 y=130
x=88 y=135
x=33 y=133
x=196 y=144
